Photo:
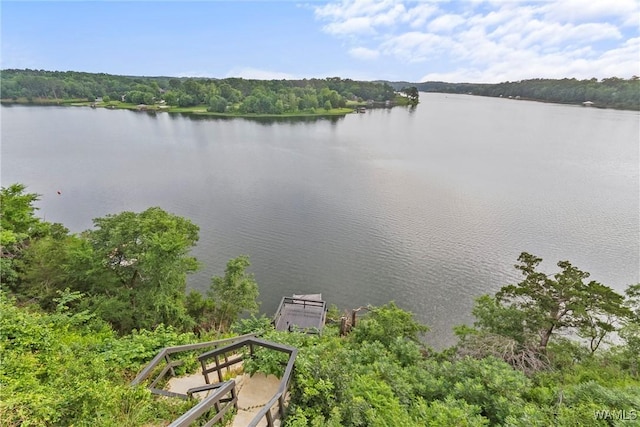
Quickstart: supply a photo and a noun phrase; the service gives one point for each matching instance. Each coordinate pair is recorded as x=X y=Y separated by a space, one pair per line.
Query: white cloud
x=258 y=74
x=492 y=41
x=418 y=15
x=369 y=16
x=534 y=32
x=445 y=23
x=361 y=24
x=626 y=11
x=364 y=53
x=519 y=65
x=353 y=8
x=415 y=46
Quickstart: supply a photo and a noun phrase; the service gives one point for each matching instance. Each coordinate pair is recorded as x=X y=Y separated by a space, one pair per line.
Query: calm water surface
x=429 y=208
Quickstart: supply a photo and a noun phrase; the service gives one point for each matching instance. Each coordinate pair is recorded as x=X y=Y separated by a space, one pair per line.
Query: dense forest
x=607 y=93
x=81 y=314
x=231 y=95
x=243 y=96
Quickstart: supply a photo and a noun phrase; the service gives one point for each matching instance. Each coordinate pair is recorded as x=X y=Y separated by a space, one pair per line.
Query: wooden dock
x=304 y=313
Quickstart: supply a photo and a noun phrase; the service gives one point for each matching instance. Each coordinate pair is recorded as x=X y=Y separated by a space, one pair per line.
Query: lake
x=428 y=207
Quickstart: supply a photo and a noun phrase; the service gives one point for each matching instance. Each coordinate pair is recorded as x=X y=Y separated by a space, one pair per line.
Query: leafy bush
x=53 y=372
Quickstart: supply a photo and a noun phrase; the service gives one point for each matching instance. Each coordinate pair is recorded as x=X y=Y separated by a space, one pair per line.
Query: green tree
x=217 y=104
x=411 y=93
x=55 y=263
x=630 y=332
x=387 y=323
x=231 y=94
x=518 y=323
x=19 y=226
x=233 y=294
x=65 y=368
x=562 y=301
x=146 y=256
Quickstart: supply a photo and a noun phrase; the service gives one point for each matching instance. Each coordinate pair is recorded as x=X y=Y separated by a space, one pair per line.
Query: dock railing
x=280 y=398
x=165 y=356
x=233 y=354
x=218 y=401
x=225 y=354
x=304 y=302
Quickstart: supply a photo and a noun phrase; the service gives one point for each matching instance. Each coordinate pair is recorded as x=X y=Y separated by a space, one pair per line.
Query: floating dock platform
x=304 y=313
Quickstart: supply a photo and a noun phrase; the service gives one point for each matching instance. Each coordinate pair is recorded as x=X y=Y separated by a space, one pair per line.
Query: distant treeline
x=218 y=95
x=612 y=92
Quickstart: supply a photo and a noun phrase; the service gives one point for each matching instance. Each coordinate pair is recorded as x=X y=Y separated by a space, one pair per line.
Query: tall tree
x=147 y=259
x=18 y=227
x=631 y=330
x=233 y=294
x=562 y=301
x=412 y=94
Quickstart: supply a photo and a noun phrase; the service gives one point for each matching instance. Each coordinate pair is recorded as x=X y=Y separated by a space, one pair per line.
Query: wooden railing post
x=343 y=326
x=218 y=368
x=204 y=372
x=168 y=360
x=281 y=409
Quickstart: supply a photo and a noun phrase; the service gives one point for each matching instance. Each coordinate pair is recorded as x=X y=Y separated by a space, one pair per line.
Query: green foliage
x=69 y=367
x=227 y=298
x=412 y=94
x=132 y=351
x=252 y=324
x=233 y=294
x=489 y=383
x=217 y=104
x=18 y=227
x=231 y=95
x=450 y=412
x=496 y=318
x=356 y=380
x=610 y=92
x=387 y=322
x=517 y=325
x=53 y=372
x=55 y=263
x=144 y=256
x=519 y=322
x=630 y=332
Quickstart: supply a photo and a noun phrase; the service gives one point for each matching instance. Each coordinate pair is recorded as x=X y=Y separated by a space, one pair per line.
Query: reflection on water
x=429 y=207
x=261 y=119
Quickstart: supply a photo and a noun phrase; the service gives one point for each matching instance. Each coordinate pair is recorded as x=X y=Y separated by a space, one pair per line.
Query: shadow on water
x=266 y=121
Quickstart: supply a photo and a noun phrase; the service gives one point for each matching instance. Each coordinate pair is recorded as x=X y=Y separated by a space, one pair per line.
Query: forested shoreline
x=611 y=92
x=83 y=313
x=237 y=96
x=231 y=96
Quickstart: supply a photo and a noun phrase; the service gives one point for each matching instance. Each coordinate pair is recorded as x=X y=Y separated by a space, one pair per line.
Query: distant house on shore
x=587 y=104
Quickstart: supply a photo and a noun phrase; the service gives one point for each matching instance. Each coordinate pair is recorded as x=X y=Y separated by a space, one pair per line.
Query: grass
x=200 y=110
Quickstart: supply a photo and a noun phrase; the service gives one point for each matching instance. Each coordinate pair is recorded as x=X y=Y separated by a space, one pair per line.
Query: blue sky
x=470 y=41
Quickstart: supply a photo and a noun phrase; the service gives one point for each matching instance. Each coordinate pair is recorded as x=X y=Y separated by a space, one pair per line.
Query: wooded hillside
x=81 y=314
x=217 y=95
x=608 y=93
